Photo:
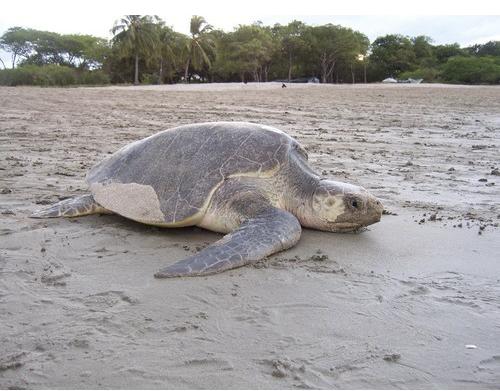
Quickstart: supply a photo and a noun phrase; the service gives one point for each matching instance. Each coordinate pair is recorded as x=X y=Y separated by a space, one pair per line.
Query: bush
x=472 y=70
x=94 y=77
x=14 y=77
x=54 y=75
x=428 y=74
x=50 y=75
x=149 y=78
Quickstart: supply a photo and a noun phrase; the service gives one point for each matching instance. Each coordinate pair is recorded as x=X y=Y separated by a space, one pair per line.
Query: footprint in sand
x=254 y=315
x=105 y=300
x=56 y=279
x=491 y=364
x=11 y=361
x=54 y=273
x=209 y=364
x=453 y=288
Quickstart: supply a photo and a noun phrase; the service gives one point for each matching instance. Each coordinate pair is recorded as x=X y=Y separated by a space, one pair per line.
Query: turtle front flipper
x=72 y=207
x=270 y=231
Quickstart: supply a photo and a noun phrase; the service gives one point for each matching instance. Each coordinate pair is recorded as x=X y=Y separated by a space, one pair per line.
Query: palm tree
x=200 y=45
x=167 y=49
x=136 y=35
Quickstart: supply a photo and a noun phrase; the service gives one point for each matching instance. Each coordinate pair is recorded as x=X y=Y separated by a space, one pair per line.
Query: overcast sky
x=477 y=21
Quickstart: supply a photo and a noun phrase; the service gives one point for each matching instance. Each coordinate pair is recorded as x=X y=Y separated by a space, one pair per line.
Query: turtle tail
x=72 y=207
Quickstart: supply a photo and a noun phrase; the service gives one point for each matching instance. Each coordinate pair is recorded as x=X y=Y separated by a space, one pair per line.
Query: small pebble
x=392 y=357
x=470 y=346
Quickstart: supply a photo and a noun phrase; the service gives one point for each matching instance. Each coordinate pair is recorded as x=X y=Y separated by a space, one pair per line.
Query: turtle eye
x=355 y=203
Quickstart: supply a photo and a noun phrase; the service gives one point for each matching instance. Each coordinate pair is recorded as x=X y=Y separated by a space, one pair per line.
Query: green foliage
x=291 y=43
x=29 y=46
x=330 y=45
x=145 y=50
x=424 y=54
x=472 y=70
x=428 y=74
x=491 y=48
x=422 y=46
x=169 y=53
x=443 y=52
x=86 y=51
x=17 y=41
x=50 y=75
x=149 y=78
x=200 y=48
x=249 y=51
x=391 y=55
x=137 y=36
x=95 y=77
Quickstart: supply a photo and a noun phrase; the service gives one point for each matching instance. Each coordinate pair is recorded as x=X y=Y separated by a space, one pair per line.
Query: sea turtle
x=252 y=182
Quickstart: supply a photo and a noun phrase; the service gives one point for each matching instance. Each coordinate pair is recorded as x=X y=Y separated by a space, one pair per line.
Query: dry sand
x=392 y=307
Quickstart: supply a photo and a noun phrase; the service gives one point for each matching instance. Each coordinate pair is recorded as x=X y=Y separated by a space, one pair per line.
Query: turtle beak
x=373 y=211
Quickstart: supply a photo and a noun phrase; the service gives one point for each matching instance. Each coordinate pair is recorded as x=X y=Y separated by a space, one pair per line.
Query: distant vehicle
x=409 y=80
x=312 y=79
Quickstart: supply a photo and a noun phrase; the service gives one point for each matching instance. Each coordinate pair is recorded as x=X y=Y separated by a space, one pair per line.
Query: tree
x=144 y=49
x=422 y=47
x=95 y=51
x=136 y=35
x=199 y=46
x=356 y=53
x=84 y=51
x=491 y=48
x=330 y=44
x=291 y=40
x=471 y=70
x=444 y=52
x=392 y=54
x=170 y=48
x=224 y=68
x=17 y=41
x=29 y=46
x=251 y=51
x=48 y=48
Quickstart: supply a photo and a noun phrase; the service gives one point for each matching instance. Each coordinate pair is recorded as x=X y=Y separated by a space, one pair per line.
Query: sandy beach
x=412 y=302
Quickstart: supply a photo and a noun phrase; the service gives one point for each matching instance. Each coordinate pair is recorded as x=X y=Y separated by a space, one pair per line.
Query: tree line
x=145 y=50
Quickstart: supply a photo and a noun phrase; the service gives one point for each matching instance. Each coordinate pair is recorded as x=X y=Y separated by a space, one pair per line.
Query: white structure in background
x=410 y=80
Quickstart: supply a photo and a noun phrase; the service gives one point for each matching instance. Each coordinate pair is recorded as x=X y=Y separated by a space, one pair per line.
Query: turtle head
x=341 y=207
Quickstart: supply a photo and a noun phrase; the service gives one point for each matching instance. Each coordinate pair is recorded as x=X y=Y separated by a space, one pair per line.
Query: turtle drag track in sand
x=413 y=302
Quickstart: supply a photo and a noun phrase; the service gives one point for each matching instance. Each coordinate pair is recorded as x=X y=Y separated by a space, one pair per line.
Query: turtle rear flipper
x=72 y=207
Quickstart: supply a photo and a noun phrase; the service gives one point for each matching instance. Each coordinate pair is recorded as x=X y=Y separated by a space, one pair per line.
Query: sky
x=445 y=21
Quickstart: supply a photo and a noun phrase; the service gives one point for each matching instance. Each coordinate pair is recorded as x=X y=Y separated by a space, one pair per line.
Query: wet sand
x=413 y=302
